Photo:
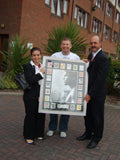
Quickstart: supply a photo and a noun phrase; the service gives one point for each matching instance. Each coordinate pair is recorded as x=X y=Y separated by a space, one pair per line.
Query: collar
x=95 y=53
x=32 y=63
x=65 y=54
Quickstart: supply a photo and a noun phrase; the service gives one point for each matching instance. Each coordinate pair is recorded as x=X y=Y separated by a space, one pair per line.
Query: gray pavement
x=13 y=147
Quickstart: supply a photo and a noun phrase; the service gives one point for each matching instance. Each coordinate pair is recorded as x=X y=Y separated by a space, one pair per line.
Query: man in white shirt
x=63 y=123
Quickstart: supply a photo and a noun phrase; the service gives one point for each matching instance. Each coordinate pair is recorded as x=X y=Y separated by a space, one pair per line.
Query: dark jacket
x=97 y=74
x=32 y=79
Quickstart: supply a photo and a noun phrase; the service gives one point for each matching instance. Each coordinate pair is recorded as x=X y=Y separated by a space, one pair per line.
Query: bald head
x=95 y=43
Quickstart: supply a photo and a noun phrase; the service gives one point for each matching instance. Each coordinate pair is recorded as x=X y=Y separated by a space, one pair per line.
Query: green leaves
x=70 y=30
x=14 y=60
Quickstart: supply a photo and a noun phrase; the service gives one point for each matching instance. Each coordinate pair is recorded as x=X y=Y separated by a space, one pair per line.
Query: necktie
x=92 y=57
x=39 y=65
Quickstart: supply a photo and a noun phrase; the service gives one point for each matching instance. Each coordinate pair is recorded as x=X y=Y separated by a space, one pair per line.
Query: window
x=81 y=16
x=65 y=7
x=96 y=26
x=107 y=32
x=109 y=9
x=115 y=36
x=47 y=2
x=76 y=10
x=117 y=18
x=58 y=6
x=99 y=4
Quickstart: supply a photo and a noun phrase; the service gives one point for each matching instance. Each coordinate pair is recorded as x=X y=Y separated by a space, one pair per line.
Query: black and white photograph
x=63 y=87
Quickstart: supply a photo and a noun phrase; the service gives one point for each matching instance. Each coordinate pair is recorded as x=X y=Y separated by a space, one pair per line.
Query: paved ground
x=13 y=147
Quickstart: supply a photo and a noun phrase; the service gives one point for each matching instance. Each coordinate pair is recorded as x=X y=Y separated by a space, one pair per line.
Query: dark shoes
x=41 y=138
x=85 y=136
x=30 y=141
x=92 y=144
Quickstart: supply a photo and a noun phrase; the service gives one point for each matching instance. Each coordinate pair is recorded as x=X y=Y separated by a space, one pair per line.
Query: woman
x=34 y=122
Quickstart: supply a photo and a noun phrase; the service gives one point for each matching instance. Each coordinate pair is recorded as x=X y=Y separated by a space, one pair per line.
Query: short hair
x=35 y=49
x=66 y=39
x=98 y=37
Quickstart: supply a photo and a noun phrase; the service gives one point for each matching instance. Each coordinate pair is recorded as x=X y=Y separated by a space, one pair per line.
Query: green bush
x=15 y=58
x=110 y=78
x=70 y=30
x=116 y=66
x=7 y=83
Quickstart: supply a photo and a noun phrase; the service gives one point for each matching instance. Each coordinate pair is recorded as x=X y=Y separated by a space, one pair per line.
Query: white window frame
x=47 y=2
x=99 y=3
x=96 y=25
x=115 y=36
x=117 y=18
x=58 y=7
x=65 y=7
x=109 y=9
x=107 y=32
x=82 y=18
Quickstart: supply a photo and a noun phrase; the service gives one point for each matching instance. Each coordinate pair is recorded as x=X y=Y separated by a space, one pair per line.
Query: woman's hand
x=42 y=70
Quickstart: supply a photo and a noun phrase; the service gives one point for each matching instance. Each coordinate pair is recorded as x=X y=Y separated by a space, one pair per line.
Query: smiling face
x=95 y=44
x=36 y=56
x=66 y=46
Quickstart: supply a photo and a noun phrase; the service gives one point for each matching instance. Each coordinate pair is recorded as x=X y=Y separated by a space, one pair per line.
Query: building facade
x=32 y=19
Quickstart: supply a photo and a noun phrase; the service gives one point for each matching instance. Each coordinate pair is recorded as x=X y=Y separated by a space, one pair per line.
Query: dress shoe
x=41 y=138
x=85 y=136
x=29 y=141
x=92 y=144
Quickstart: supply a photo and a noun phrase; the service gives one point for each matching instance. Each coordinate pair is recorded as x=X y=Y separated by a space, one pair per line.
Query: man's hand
x=87 y=98
x=85 y=60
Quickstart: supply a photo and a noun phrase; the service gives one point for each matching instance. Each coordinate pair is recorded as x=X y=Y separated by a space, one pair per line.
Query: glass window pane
x=47 y=2
x=65 y=8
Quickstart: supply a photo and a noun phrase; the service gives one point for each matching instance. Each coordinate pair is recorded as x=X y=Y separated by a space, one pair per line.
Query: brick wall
x=10 y=15
x=32 y=19
x=37 y=20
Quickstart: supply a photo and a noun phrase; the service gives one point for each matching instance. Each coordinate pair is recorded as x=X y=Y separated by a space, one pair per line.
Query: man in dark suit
x=95 y=97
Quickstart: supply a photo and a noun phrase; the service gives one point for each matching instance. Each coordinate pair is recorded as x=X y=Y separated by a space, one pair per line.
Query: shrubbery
x=69 y=30
x=113 y=78
x=15 y=58
x=116 y=66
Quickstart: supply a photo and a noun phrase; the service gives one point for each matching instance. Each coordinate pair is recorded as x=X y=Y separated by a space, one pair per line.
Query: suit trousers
x=34 y=122
x=94 y=119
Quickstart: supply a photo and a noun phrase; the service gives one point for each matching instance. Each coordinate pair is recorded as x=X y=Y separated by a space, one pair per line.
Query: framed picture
x=63 y=87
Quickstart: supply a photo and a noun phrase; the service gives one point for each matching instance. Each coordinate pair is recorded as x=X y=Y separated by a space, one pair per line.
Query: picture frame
x=63 y=87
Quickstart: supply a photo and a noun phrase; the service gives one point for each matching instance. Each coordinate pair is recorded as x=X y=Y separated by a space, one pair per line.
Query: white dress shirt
x=37 y=70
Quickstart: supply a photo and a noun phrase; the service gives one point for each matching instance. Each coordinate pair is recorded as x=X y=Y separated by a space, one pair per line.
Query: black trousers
x=34 y=122
x=94 y=119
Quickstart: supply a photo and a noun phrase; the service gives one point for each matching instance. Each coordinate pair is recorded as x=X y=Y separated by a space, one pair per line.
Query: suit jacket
x=97 y=74
x=32 y=79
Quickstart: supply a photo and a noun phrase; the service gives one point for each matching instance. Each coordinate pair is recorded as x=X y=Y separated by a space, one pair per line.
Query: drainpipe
x=103 y=23
x=72 y=11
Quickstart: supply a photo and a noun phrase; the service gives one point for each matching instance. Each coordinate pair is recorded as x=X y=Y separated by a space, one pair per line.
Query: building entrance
x=3 y=47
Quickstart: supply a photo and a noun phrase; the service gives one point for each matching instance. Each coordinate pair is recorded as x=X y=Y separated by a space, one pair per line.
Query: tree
x=70 y=30
x=117 y=46
x=110 y=77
